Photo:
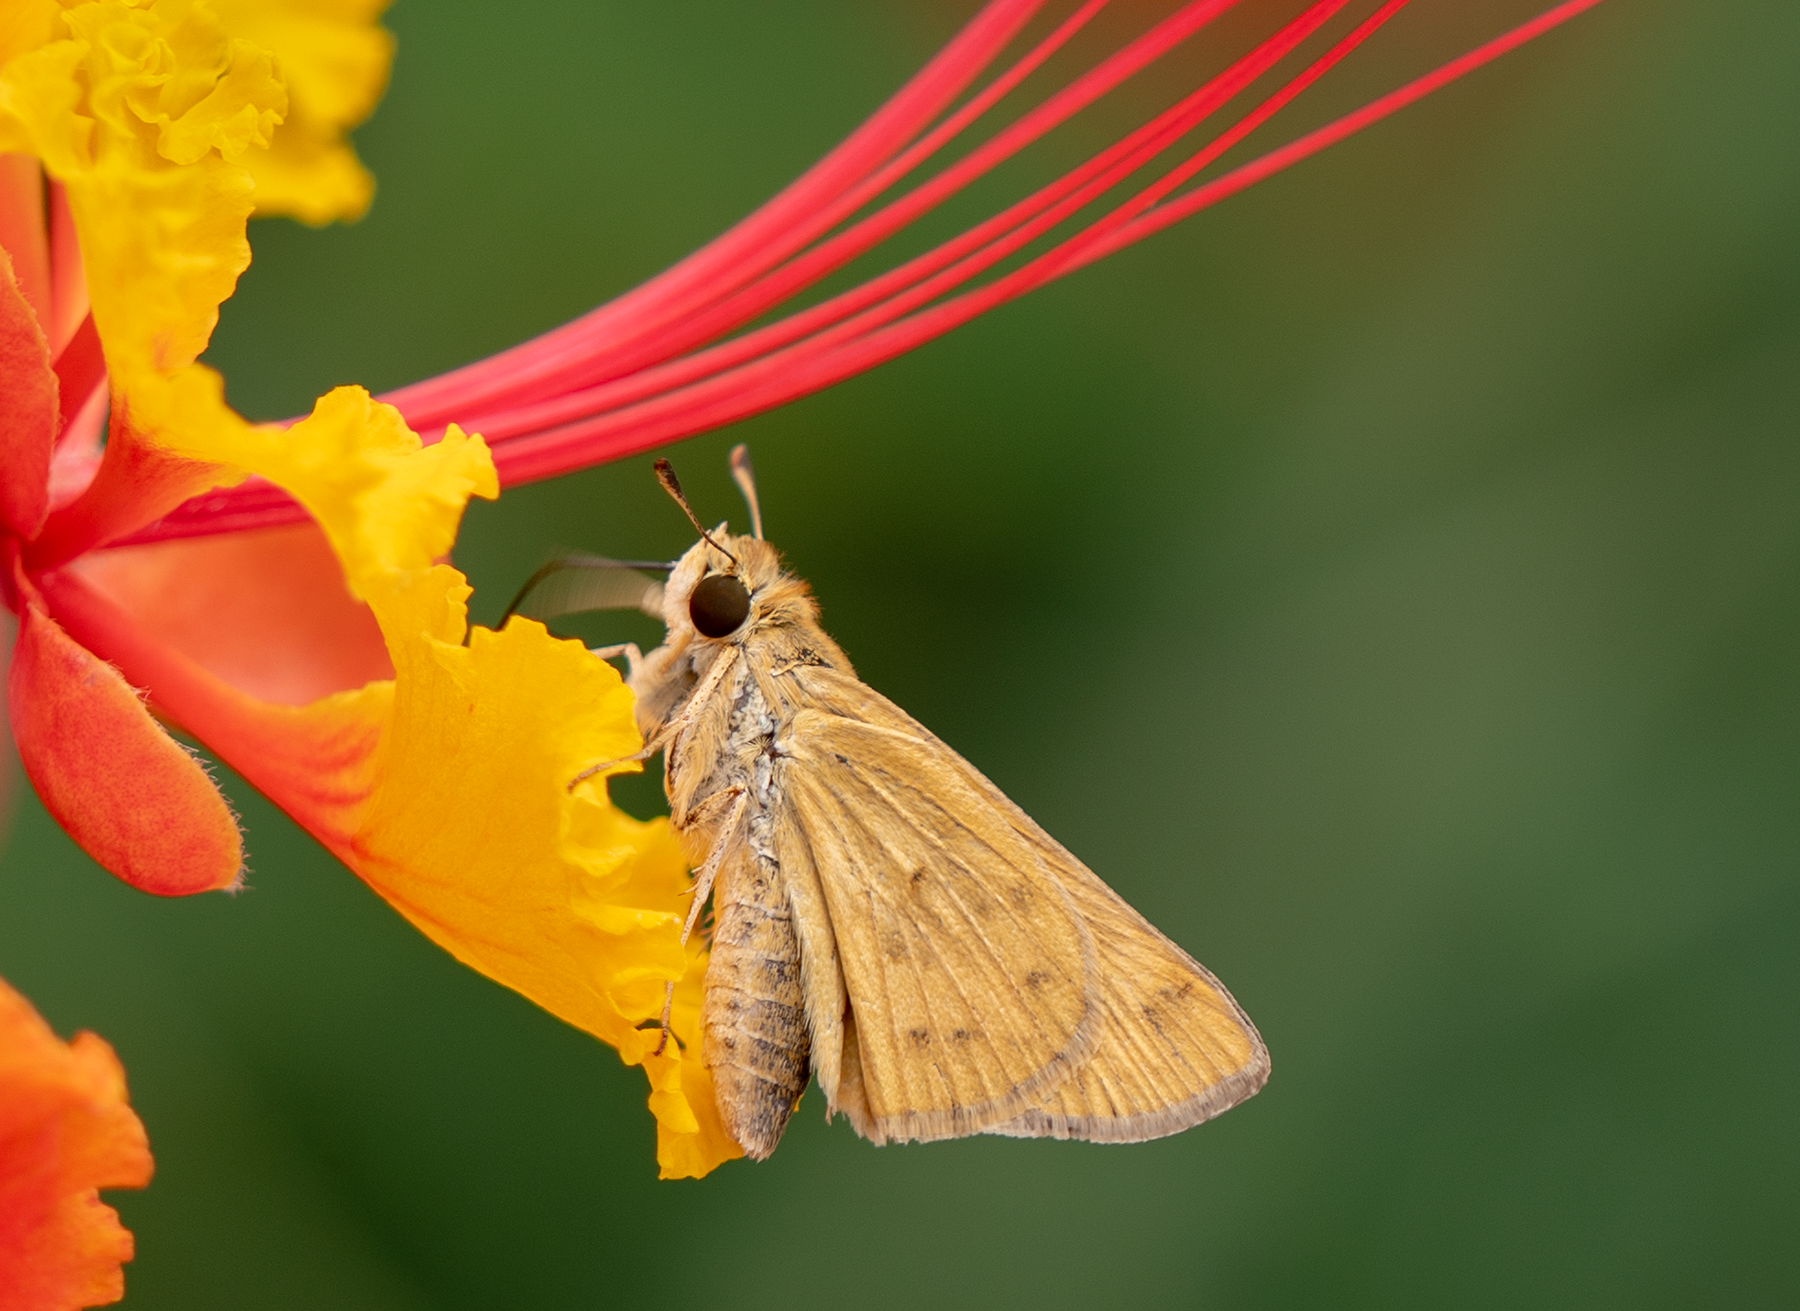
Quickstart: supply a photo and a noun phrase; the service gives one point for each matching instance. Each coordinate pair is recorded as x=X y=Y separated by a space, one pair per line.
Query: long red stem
x=785 y=223
x=638 y=371
x=678 y=322
x=953 y=263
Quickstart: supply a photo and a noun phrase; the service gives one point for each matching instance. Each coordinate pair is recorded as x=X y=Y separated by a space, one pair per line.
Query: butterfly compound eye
x=719 y=605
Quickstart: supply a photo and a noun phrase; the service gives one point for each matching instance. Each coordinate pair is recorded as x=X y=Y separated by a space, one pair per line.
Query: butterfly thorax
x=723 y=705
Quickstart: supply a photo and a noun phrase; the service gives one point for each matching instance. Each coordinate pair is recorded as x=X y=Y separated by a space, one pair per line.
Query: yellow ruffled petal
x=448 y=789
x=334 y=57
x=388 y=504
x=25 y=25
x=466 y=832
x=310 y=176
x=681 y=1152
x=141 y=112
x=42 y=92
x=469 y=827
x=241 y=110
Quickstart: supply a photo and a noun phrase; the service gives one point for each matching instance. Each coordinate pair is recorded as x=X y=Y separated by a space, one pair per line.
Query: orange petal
x=66 y=1131
x=27 y=410
x=315 y=761
x=267 y=611
x=132 y=796
x=23 y=232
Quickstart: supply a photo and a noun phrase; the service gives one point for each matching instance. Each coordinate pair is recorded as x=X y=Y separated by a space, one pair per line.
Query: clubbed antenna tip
x=665 y=474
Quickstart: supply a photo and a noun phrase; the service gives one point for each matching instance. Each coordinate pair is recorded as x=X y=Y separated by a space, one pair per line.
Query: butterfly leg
x=709 y=870
x=703 y=883
x=644 y=752
x=670 y=727
x=633 y=656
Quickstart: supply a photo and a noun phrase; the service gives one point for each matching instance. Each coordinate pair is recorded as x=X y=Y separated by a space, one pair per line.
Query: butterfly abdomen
x=753 y=1015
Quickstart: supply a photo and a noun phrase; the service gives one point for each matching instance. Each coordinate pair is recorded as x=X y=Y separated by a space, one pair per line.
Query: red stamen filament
x=638 y=371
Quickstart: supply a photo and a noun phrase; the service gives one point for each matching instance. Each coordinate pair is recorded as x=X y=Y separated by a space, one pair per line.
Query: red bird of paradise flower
x=277 y=592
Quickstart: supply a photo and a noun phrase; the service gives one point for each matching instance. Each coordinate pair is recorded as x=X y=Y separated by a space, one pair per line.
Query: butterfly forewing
x=947 y=906
x=969 y=975
x=1173 y=1048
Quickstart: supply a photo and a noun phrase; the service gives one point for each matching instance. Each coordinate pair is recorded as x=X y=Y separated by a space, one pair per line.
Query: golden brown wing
x=1174 y=1048
x=969 y=975
x=943 y=905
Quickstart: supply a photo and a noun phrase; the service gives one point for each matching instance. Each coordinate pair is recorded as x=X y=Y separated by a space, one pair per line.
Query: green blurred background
x=1387 y=581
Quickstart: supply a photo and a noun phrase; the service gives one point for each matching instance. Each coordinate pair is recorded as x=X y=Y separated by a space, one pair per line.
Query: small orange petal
x=134 y=799
x=27 y=410
x=66 y=1131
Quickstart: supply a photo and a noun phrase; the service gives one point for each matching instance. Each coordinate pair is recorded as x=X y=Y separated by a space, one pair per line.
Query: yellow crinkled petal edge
x=161 y=118
x=471 y=831
x=335 y=57
x=143 y=114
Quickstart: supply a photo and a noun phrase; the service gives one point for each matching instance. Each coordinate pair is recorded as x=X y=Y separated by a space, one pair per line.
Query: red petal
x=137 y=484
x=27 y=410
x=80 y=368
x=68 y=275
x=132 y=796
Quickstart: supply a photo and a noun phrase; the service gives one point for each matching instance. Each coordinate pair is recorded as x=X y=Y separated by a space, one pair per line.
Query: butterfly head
x=726 y=585
x=715 y=588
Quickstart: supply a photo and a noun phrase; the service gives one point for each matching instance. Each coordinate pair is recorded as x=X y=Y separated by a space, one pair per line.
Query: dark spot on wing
x=804 y=658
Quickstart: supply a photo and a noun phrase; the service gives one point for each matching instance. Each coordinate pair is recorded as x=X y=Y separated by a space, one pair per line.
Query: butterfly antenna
x=665 y=474
x=745 y=477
